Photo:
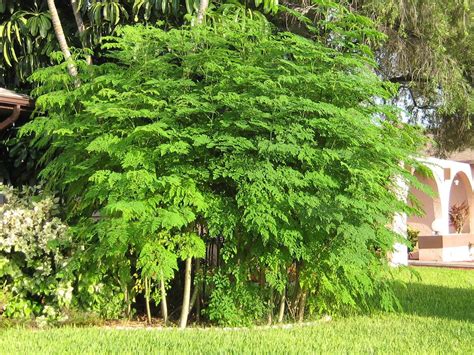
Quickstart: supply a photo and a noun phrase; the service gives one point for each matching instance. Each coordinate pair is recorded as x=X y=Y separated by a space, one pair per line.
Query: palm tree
x=203 y=5
x=58 y=30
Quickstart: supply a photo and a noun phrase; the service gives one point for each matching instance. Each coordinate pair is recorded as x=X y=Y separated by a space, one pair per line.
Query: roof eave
x=23 y=101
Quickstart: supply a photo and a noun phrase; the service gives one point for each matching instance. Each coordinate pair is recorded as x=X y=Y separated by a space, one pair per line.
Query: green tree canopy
x=274 y=142
x=428 y=51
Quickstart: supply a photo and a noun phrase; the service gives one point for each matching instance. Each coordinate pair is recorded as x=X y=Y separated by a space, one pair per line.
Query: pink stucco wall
x=453 y=183
x=427 y=203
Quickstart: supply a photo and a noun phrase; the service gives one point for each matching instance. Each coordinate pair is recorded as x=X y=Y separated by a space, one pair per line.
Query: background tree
x=429 y=52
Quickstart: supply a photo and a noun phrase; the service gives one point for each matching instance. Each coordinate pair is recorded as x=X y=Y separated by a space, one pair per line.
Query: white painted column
x=399 y=256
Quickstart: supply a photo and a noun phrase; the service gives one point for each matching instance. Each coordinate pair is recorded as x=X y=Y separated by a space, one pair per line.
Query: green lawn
x=438 y=317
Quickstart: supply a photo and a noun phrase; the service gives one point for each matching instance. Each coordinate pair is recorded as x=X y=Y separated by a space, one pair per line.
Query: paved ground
x=447 y=264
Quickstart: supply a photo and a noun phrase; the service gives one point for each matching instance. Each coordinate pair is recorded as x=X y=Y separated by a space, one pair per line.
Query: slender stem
x=147 y=298
x=198 y=307
x=164 y=304
x=270 y=307
x=281 y=312
x=199 y=286
x=127 y=301
x=301 y=307
x=187 y=294
x=297 y=294
x=193 y=298
x=195 y=295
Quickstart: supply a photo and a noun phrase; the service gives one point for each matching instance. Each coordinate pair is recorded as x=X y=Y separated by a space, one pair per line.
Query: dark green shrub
x=412 y=236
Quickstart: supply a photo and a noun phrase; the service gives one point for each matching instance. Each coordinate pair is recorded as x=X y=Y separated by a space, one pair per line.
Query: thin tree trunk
x=80 y=26
x=128 y=302
x=270 y=307
x=281 y=312
x=187 y=294
x=147 y=298
x=164 y=303
x=261 y=278
x=203 y=5
x=297 y=292
x=58 y=30
x=301 y=307
x=193 y=298
x=198 y=307
x=198 y=291
x=195 y=294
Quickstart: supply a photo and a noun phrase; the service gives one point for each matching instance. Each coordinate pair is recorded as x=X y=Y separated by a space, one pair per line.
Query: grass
x=438 y=317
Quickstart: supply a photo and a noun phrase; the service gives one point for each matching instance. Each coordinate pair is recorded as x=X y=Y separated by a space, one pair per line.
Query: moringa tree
x=246 y=131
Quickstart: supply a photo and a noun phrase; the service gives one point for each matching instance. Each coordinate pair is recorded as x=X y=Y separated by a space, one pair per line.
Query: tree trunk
x=58 y=30
x=270 y=307
x=198 y=306
x=203 y=5
x=197 y=288
x=80 y=26
x=187 y=294
x=193 y=298
x=128 y=302
x=297 y=292
x=147 y=298
x=164 y=304
x=301 y=307
x=281 y=313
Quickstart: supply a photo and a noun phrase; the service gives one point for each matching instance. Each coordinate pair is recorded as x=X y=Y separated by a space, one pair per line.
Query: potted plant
x=458 y=215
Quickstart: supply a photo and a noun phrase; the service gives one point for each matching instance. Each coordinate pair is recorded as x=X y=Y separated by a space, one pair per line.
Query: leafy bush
x=234 y=303
x=275 y=143
x=33 y=241
x=412 y=236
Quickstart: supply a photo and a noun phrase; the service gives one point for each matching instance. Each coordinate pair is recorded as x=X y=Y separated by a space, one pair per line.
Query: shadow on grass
x=437 y=301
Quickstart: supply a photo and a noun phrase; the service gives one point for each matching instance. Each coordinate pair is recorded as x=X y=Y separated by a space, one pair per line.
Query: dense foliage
x=428 y=50
x=272 y=145
x=28 y=39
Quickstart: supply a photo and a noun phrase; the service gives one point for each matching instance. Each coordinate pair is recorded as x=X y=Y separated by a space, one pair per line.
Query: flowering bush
x=33 y=244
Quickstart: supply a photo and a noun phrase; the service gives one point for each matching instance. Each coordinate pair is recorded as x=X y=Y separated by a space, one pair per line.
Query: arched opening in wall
x=431 y=206
x=460 y=195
